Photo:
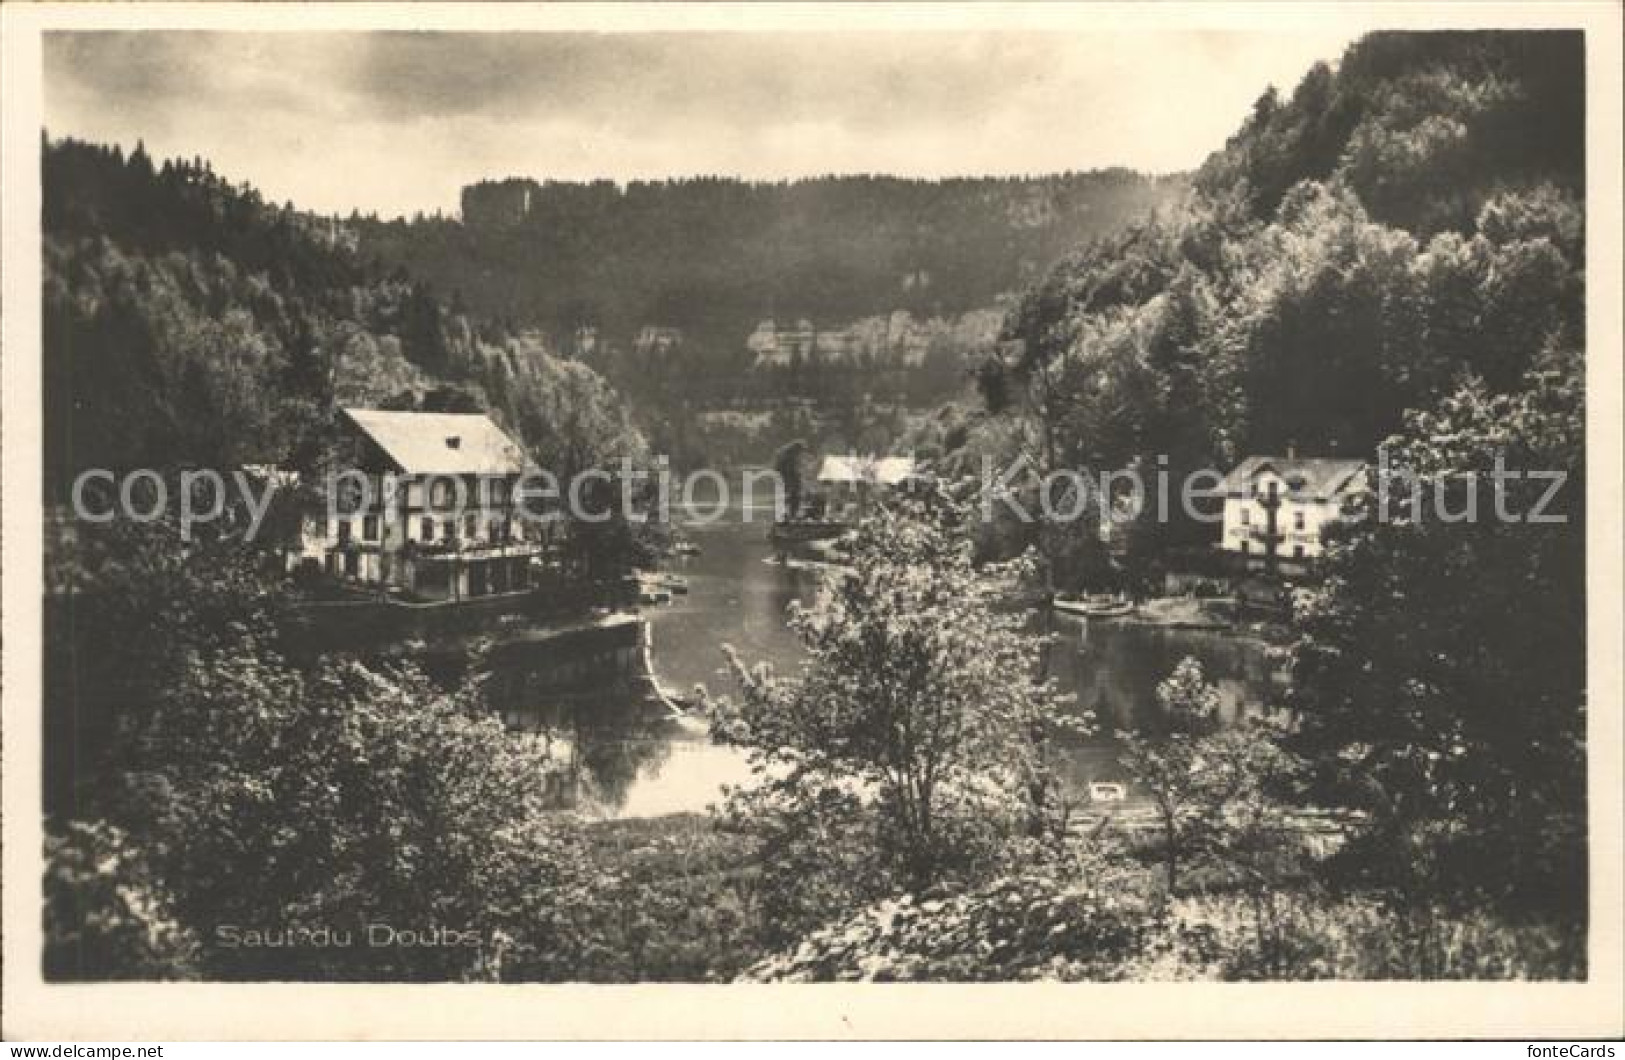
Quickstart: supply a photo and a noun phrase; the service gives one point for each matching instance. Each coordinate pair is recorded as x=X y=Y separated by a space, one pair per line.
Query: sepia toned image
x=971 y=504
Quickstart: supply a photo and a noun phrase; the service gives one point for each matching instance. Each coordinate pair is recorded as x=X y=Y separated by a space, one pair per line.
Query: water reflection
x=634 y=759
x=736 y=596
x=1114 y=668
x=625 y=756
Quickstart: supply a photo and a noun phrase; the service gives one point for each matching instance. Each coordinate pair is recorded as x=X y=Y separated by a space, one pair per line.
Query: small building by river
x=847 y=484
x=1275 y=507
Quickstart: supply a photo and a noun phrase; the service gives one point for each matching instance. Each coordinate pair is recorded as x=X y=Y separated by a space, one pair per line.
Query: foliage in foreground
x=920 y=709
x=104 y=911
x=1025 y=928
x=254 y=798
x=1440 y=678
x=671 y=899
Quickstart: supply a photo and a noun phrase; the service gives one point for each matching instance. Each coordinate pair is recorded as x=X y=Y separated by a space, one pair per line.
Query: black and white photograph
x=856 y=501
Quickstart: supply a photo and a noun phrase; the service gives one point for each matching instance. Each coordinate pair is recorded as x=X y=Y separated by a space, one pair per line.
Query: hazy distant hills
x=714 y=258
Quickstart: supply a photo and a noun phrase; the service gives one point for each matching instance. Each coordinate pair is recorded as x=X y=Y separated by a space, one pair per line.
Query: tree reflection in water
x=602 y=746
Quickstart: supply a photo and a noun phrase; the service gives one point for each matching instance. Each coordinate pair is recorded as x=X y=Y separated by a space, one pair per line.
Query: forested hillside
x=1359 y=248
x=593 y=264
x=187 y=320
x=1389 y=260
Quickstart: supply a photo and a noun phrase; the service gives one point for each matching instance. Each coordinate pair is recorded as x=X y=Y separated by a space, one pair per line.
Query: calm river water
x=640 y=766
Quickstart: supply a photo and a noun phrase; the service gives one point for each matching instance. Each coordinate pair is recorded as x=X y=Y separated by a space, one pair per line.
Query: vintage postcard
x=785 y=521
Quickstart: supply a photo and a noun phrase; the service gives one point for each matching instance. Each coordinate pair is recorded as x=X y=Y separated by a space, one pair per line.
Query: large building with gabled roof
x=427 y=507
x=1275 y=507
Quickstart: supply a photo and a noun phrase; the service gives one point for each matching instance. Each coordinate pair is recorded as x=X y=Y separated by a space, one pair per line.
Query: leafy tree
x=106 y=917
x=1250 y=839
x=917 y=694
x=787 y=464
x=604 y=542
x=1440 y=677
x=1220 y=795
x=1422 y=126
x=216 y=761
x=130 y=606
x=331 y=789
x=1169 y=764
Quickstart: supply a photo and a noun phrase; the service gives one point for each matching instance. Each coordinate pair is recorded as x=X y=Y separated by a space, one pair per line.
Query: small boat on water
x=657 y=587
x=1093 y=606
x=1100 y=791
x=685 y=548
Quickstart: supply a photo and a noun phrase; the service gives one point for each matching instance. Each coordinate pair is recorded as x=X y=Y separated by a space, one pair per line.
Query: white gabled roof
x=1320 y=478
x=886 y=470
x=441 y=443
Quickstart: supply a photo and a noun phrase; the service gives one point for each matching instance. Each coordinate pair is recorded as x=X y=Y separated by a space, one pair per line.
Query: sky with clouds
x=398 y=122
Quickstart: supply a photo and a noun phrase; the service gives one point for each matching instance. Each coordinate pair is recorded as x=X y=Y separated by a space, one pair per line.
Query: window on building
x=448 y=529
x=499 y=492
x=471 y=527
x=1246 y=516
x=369 y=528
x=440 y=495
x=350 y=494
x=343 y=528
x=1246 y=546
x=1297 y=551
x=426 y=530
x=1297 y=520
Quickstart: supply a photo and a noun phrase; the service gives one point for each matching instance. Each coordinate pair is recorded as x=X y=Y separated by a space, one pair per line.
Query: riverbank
x=1204 y=615
x=739 y=594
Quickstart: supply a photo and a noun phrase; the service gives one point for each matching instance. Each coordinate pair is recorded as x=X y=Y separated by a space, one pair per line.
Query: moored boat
x=1102 y=791
x=1093 y=606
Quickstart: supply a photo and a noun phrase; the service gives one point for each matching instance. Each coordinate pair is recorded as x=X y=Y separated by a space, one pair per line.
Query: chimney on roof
x=454 y=442
x=1292 y=450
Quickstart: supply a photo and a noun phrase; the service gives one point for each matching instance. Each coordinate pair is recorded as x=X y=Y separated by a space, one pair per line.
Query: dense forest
x=188 y=321
x=590 y=265
x=715 y=255
x=1361 y=247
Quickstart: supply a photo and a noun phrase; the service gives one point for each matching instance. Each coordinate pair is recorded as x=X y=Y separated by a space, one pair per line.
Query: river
x=640 y=765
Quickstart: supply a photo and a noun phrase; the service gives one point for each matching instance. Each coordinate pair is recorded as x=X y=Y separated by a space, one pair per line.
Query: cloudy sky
x=398 y=122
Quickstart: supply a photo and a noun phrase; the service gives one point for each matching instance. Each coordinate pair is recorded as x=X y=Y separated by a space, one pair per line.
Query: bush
x=669 y=899
x=1312 y=935
x=105 y=915
x=1040 y=925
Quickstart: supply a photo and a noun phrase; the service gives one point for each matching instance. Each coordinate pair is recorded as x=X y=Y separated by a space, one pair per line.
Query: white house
x=437 y=516
x=848 y=482
x=1279 y=504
